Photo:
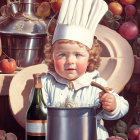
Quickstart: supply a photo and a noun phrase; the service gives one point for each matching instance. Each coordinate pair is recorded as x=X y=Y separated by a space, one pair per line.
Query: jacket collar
x=81 y=82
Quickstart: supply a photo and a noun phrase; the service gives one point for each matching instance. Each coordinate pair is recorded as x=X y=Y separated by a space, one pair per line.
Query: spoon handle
x=99 y=86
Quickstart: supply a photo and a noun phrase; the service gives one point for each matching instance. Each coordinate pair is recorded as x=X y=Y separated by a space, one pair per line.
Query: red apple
x=128 y=30
x=134 y=132
x=56 y=5
x=127 y=2
x=8 y=65
x=130 y=10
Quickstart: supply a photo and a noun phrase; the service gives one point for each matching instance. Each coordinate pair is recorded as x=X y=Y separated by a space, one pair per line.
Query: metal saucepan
x=73 y=123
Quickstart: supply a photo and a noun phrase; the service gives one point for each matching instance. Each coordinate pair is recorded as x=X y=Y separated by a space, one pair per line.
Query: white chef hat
x=78 y=20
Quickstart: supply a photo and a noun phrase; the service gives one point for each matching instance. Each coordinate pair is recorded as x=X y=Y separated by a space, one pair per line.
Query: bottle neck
x=37 y=82
x=36 y=97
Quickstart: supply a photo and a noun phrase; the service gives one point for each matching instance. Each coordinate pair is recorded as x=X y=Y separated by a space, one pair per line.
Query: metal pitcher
x=23 y=34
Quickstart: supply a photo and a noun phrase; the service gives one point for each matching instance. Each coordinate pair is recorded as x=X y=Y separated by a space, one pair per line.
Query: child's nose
x=70 y=60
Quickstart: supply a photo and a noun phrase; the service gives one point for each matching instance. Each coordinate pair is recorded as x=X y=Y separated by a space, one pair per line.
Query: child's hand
x=108 y=101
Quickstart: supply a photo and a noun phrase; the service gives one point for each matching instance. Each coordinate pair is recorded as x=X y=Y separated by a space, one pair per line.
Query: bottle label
x=36 y=127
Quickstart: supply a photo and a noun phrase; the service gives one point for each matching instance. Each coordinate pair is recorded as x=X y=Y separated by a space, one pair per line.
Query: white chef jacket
x=56 y=90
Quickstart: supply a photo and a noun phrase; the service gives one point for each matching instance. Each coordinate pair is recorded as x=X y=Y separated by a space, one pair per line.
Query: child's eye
x=77 y=55
x=62 y=55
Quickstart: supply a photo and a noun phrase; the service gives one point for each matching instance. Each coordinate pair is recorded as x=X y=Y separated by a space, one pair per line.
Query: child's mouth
x=70 y=69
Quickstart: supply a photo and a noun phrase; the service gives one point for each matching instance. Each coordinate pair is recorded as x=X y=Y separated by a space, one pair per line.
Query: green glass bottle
x=36 y=116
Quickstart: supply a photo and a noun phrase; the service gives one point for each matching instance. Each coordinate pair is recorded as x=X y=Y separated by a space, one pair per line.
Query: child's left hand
x=108 y=101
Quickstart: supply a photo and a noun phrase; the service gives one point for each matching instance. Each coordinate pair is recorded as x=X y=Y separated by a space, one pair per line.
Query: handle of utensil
x=99 y=107
x=99 y=86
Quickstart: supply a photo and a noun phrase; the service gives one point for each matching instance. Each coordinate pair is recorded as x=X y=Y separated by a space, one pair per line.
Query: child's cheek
x=58 y=64
x=81 y=67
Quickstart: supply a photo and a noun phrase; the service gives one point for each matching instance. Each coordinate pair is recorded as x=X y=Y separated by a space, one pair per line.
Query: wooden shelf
x=5 y=80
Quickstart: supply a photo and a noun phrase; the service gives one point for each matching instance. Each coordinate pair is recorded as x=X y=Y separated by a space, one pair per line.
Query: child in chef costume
x=73 y=59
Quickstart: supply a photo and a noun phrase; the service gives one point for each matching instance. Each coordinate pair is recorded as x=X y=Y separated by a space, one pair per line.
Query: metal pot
x=26 y=50
x=73 y=123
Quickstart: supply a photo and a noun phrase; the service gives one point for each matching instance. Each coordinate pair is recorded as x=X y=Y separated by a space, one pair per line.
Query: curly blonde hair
x=94 y=54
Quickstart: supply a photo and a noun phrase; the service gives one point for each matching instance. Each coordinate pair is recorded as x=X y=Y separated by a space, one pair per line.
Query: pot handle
x=99 y=107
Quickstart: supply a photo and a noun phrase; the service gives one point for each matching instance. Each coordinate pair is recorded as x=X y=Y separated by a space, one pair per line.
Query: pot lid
x=23 y=21
x=22 y=27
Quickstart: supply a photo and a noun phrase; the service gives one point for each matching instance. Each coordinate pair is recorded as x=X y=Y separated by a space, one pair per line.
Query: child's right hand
x=108 y=101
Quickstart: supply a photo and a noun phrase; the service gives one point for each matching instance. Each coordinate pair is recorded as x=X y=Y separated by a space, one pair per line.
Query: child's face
x=70 y=60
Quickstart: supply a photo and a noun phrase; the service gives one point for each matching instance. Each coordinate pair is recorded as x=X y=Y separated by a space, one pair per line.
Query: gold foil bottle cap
x=37 y=80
